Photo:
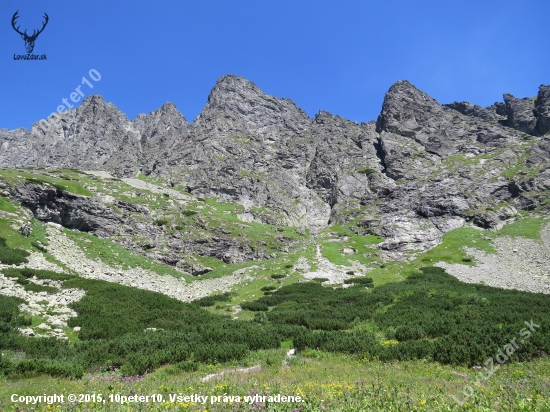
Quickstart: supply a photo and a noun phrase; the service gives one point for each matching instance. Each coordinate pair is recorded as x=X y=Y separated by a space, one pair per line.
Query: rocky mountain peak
x=157 y=122
x=94 y=99
x=169 y=109
x=234 y=86
x=406 y=109
x=160 y=131
x=96 y=105
x=323 y=116
x=233 y=93
x=236 y=105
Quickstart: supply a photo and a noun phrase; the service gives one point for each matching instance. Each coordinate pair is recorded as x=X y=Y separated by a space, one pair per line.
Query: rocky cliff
x=420 y=170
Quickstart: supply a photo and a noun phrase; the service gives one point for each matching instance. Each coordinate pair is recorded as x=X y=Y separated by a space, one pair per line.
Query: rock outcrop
x=521 y=114
x=542 y=110
x=531 y=116
x=64 y=208
x=128 y=225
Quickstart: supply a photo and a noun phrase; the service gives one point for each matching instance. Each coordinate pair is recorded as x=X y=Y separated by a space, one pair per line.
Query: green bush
x=359 y=281
x=44 y=274
x=9 y=308
x=14 y=273
x=4 y=327
x=160 y=222
x=10 y=256
x=278 y=276
x=212 y=299
x=35 y=367
x=427 y=313
x=268 y=288
x=21 y=321
x=38 y=246
x=188 y=365
x=33 y=287
x=23 y=274
x=320 y=280
x=255 y=306
x=114 y=319
x=409 y=332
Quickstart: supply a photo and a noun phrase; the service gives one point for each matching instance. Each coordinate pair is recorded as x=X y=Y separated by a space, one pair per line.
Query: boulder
x=193 y=268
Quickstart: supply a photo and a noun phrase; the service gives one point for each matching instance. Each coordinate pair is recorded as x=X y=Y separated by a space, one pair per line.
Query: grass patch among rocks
x=69 y=185
x=529 y=228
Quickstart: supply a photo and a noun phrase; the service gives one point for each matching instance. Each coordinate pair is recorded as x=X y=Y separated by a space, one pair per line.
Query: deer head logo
x=29 y=40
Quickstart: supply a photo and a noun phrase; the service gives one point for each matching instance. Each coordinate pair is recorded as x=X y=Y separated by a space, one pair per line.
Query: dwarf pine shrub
x=268 y=288
x=430 y=315
x=255 y=306
x=359 y=281
x=12 y=256
x=212 y=299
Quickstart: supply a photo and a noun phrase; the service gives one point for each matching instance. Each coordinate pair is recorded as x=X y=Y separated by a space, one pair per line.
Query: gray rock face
x=531 y=116
x=407 y=110
x=251 y=146
x=423 y=168
x=449 y=162
x=247 y=146
x=539 y=154
x=521 y=114
x=159 y=132
x=66 y=209
x=95 y=136
x=542 y=109
x=491 y=114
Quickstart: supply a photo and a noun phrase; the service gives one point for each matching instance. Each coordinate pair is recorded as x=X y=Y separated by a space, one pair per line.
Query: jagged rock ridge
x=420 y=170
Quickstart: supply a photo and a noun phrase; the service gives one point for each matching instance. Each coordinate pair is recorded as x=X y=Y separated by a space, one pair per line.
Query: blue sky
x=336 y=56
